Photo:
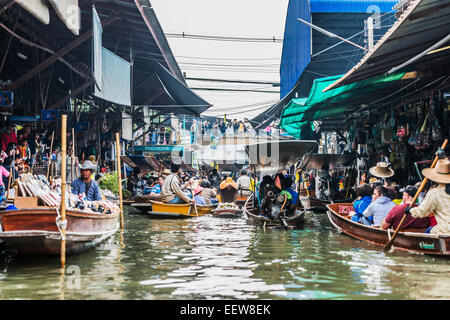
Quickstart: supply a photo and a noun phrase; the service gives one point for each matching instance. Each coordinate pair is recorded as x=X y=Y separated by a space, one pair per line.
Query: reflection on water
x=211 y=258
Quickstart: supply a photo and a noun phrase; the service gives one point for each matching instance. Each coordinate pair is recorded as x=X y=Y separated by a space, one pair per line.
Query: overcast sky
x=208 y=59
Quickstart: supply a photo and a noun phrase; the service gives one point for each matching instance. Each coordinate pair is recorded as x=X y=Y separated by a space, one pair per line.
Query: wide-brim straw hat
x=166 y=172
x=382 y=170
x=88 y=165
x=440 y=173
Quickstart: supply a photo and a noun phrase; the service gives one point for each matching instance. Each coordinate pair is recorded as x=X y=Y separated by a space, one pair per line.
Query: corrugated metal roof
x=424 y=23
x=352 y=5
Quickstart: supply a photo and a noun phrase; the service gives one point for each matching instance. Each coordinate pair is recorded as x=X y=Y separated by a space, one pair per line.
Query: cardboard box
x=25 y=202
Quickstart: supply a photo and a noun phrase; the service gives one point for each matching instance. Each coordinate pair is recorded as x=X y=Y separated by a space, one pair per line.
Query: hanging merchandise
x=423 y=136
x=386 y=133
x=436 y=131
x=402 y=125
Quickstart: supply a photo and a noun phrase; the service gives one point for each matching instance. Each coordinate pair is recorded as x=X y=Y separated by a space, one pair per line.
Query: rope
x=60 y=224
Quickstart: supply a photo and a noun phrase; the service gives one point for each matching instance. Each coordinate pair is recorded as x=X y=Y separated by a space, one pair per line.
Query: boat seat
x=418 y=230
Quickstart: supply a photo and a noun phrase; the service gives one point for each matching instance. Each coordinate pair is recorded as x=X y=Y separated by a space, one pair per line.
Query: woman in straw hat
x=437 y=199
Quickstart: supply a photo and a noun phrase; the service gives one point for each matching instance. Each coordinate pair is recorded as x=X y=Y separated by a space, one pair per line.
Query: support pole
x=119 y=178
x=49 y=161
x=63 y=188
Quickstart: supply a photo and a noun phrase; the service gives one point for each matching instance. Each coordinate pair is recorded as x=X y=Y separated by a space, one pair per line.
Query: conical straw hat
x=381 y=170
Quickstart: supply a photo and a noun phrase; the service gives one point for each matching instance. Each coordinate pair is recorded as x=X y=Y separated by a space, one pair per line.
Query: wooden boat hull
x=253 y=217
x=34 y=231
x=406 y=240
x=313 y=204
x=160 y=210
x=227 y=213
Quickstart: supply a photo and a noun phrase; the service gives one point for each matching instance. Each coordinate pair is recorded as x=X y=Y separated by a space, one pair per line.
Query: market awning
x=299 y=113
x=184 y=100
x=421 y=26
x=319 y=160
x=142 y=162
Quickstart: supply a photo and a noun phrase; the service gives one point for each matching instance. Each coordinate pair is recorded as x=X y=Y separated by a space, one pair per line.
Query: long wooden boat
x=35 y=232
x=254 y=217
x=311 y=203
x=156 y=209
x=411 y=240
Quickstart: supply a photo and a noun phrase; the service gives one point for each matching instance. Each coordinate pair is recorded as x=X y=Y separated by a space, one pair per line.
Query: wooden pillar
x=63 y=188
x=119 y=178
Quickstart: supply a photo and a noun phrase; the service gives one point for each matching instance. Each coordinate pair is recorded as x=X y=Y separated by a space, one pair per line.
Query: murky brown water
x=211 y=258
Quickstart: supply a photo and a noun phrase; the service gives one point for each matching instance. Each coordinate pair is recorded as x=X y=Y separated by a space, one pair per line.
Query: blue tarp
x=352 y=5
x=296 y=53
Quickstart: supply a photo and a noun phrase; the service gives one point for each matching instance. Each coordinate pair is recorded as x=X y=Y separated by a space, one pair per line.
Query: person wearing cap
x=171 y=191
x=395 y=215
x=437 y=199
x=85 y=184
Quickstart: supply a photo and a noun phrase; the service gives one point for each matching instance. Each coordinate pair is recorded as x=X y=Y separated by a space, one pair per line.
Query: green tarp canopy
x=297 y=116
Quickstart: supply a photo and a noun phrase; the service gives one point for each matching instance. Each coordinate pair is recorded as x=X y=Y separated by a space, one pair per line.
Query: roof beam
x=46 y=63
x=73 y=94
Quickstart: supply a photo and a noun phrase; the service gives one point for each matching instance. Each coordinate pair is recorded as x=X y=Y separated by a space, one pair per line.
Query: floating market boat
x=156 y=209
x=34 y=231
x=411 y=240
x=227 y=210
x=269 y=158
x=317 y=162
x=254 y=217
x=32 y=228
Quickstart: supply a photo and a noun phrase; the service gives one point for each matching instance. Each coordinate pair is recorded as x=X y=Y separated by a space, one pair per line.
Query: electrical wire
x=222 y=38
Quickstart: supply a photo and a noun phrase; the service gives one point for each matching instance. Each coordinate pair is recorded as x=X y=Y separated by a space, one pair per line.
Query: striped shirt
x=171 y=188
x=437 y=201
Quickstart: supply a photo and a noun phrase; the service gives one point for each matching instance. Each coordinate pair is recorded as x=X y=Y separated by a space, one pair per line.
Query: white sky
x=252 y=61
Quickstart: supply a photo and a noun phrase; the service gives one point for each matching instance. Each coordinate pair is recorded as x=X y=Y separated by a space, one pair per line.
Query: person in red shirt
x=395 y=215
x=8 y=136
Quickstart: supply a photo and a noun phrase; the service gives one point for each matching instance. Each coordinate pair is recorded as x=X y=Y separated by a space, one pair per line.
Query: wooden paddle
x=390 y=242
x=195 y=205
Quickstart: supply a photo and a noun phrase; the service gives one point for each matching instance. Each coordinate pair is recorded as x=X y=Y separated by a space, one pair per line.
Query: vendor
x=437 y=199
x=85 y=184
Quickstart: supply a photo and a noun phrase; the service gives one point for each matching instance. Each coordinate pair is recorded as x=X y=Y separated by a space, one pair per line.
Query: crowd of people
x=18 y=151
x=176 y=186
x=384 y=203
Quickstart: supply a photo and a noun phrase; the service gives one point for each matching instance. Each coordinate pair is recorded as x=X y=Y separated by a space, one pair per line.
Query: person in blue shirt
x=156 y=190
x=364 y=193
x=85 y=184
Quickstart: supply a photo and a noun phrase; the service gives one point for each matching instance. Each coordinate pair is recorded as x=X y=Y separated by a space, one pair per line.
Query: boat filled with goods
x=32 y=226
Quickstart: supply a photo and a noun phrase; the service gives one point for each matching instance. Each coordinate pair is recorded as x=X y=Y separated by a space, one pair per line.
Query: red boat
x=411 y=240
x=35 y=232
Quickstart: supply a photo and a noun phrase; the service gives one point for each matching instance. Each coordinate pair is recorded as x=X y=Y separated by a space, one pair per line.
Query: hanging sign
x=6 y=98
x=49 y=115
x=82 y=126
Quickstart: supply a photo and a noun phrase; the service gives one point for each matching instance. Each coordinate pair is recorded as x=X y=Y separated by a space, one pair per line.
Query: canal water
x=212 y=258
